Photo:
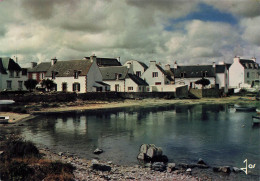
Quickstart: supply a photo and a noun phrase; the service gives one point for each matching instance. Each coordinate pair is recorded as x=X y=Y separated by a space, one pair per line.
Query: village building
x=79 y=76
x=12 y=76
x=243 y=73
x=106 y=62
x=222 y=76
x=38 y=72
x=188 y=75
x=136 y=67
x=121 y=81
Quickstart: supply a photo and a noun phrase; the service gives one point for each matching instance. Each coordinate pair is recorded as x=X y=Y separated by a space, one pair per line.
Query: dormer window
x=76 y=74
x=53 y=75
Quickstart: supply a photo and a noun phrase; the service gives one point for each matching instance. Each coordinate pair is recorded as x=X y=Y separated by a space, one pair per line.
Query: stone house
x=243 y=72
x=12 y=76
x=77 y=76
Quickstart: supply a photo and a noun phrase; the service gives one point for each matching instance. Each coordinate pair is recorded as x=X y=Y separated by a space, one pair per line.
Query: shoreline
x=81 y=106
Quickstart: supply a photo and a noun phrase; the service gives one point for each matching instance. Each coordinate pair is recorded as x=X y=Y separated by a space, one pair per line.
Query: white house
x=133 y=83
x=77 y=76
x=12 y=76
x=136 y=67
x=222 y=76
x=188 y=75
x=115 y=77
x=243 y=72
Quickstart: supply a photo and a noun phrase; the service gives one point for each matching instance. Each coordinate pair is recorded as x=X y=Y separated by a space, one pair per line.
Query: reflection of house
x=38 y=72
x=77 y=76
x=12 y=76
x=243 y=72
x=188 y=75
x=136 y=67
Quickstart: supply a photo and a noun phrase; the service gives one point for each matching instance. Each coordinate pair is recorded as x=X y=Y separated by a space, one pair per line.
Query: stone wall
x=199 y=93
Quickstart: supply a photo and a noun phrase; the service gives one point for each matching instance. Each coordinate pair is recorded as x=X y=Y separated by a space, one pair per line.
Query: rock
x=1 y=153
x=171 y=167
x=144 y=148
x=183 y=165
x=109 y=162
x=200 y=161
x=224 y=169
x=188 y=171
x=95 y=165
x=98 y=151
x=60 y=153
x=158 y=166
x=236 y=170
x=148 y=165
x=142 y=156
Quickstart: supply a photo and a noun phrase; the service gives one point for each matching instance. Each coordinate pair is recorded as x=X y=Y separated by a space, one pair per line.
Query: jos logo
x=250 y=166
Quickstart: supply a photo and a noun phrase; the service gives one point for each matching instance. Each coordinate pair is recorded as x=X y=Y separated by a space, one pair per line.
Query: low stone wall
x=181 y=92
x=199 y=93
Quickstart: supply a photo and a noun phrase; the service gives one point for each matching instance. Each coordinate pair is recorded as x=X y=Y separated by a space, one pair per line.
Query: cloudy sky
x=186 y=31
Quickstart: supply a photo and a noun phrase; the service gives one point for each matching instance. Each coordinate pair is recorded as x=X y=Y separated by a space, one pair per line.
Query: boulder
x=95 y=165
x=201 y=162
x=151 y=153
x=188 y=171
x=98 y=151
x=171 y=167
x=158 y=166
x=224 y=169
x=60 y=153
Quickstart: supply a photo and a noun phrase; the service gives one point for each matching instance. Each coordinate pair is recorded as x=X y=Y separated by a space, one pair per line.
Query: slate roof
x=104 y=62
x=6 y=63
x=249 y=64
x=220 y=68
x=109 y=73
x=143 y=65
x=67 y=68
x=137 y=80
x=42 y=67
x=194 y=71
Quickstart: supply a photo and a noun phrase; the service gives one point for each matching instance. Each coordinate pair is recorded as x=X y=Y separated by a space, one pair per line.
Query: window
x=42 y=75
x=183 y=74
x=53 y=75
x=138 y=73
x=76 y=87
x=9 y=84
x=158 y=83
x=148 y=89
x=76 y=74
x=204 y=74
x=11 y=73
x=130 y=88
x=20 y=85
x=247 y=74
x=155 y=74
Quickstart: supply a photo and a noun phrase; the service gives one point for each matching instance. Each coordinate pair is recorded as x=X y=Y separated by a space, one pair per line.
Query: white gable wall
x=236 y=75
x=134 y=66
x=148 y=75
x=136 y=88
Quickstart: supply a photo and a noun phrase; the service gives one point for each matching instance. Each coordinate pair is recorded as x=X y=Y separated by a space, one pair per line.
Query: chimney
x=152 y=63
x=93 y=58
x=128 y=65
x=33 y=64
x=236 y=59
x=118 y=59
x=214 y=65
x=254 y=59
x=175 y=65
x=167 y=67
x=53 y=61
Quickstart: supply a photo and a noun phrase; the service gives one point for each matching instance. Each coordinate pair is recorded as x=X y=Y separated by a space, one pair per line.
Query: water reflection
x=185 y=132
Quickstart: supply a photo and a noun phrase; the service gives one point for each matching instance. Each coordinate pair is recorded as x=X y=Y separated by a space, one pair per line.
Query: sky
x=185 y=31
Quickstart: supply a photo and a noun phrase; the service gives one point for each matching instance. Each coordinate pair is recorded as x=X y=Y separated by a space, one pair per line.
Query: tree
x=30 y=84
x=49 y=84
x=203 y=82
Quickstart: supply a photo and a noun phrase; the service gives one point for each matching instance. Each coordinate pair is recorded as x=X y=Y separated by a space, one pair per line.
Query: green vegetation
x=30 y=84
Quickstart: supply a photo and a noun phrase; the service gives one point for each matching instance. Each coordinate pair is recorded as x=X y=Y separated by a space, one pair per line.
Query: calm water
x=186 y=133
